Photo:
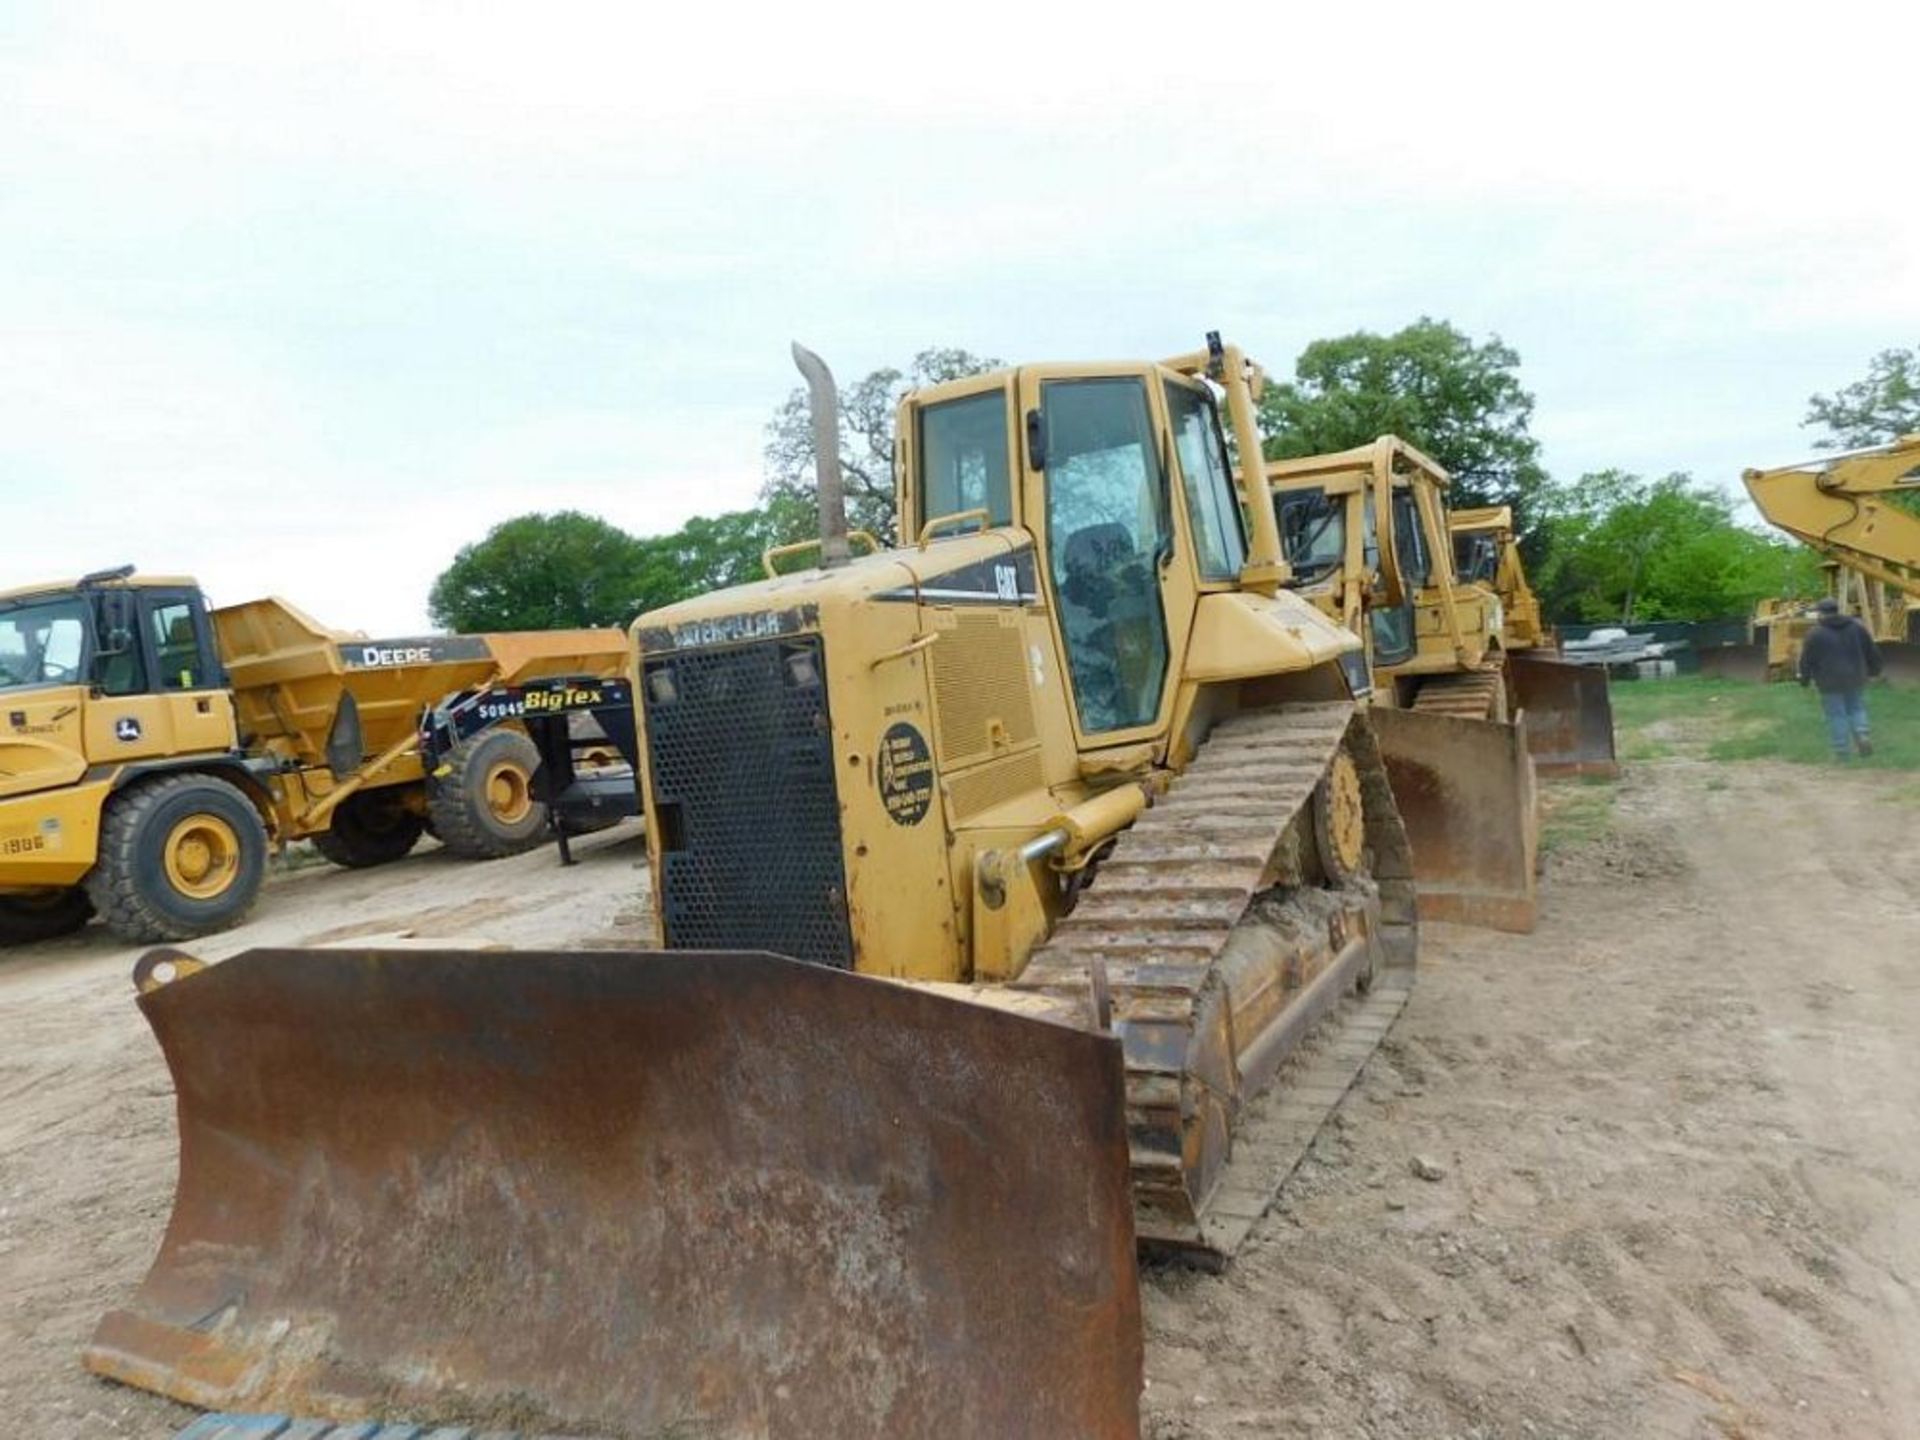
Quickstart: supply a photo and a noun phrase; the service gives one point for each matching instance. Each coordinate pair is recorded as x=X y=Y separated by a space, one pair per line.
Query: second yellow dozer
x=1030 y=892
x=1365 y=531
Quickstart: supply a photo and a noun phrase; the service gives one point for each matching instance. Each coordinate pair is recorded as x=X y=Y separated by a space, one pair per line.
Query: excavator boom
x=1848 y=508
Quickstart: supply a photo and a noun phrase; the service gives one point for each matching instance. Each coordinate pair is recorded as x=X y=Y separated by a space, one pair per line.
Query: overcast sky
x=299 y=299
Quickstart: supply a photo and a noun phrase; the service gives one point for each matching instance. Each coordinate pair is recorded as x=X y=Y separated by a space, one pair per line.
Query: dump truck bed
x=288 y=672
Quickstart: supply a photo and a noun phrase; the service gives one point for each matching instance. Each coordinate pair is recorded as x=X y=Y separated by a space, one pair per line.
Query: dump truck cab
x=1060 y=630
x=101 y=679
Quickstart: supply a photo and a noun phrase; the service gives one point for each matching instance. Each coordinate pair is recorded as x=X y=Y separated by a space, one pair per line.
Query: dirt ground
x=1676 y=1135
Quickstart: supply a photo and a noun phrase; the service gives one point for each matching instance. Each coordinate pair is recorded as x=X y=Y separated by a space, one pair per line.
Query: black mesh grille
x=742 y=760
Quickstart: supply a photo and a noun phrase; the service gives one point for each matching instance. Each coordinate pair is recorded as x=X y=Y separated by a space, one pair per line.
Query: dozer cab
x=1366 y=534
x=1569 y=708
x=153 y=750
x=1069 y=833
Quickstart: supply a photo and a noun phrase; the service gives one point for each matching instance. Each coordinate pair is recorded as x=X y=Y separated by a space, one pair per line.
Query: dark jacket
x=1838 y=655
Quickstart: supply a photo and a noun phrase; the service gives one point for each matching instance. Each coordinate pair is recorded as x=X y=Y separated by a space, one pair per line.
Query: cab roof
x=131 y=582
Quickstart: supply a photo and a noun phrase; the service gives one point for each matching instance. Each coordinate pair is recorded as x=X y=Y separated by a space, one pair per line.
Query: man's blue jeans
x=1846 y=718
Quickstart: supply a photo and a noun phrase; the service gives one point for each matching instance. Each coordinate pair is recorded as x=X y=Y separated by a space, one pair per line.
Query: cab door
x=163 y=690
x=1100 y=499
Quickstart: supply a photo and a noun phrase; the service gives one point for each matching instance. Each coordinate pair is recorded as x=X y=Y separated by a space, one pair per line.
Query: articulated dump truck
x=153 y=750
x=1030 y=893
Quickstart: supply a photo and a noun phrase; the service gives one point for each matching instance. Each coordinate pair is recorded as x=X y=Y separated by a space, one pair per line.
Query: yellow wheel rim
x=1345 y=816
x=509 y=793
x=203 y=857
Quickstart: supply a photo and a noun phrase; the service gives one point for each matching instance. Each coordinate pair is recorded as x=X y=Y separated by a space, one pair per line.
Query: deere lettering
x=395 y=654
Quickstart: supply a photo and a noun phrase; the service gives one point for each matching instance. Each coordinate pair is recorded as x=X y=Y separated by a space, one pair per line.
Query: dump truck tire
x=371 y=828
x=43 y=915
x=481 y=801
x=180 y=856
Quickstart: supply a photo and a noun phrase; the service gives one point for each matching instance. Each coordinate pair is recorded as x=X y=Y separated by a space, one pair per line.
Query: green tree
x=713 y=552
x=1621 y=548
x=1883 y=406
x=541 y=572
x=1460 y=401
x=866 y=442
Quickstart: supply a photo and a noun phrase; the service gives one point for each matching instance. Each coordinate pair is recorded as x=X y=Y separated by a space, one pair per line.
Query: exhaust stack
x=823 y=402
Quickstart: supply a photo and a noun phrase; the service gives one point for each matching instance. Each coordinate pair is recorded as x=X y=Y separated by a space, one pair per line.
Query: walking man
x=1837 y=658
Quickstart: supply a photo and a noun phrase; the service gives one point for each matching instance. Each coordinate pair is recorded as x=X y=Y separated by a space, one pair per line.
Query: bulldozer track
x=1157 y=920
x=1470 y=695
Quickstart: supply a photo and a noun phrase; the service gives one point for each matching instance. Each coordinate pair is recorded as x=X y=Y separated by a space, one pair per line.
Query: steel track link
x=1158 y=918
x=1471 y=695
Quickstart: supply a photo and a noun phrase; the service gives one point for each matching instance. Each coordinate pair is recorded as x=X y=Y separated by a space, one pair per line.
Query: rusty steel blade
x=1734 y=662
x=1900 y=661
x=1465 y=789
x=636 y=1194
x=1569 y=715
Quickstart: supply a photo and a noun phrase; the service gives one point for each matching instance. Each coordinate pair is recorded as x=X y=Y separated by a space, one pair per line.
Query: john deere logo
x=126 y=729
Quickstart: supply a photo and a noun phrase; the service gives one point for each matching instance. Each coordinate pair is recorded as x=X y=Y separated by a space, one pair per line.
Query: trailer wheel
x=481 y=800
x=180 y=856
x=43 y=914
x=371 y=827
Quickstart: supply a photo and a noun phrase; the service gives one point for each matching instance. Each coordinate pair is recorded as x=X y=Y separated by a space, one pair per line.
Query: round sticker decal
x=906 y=774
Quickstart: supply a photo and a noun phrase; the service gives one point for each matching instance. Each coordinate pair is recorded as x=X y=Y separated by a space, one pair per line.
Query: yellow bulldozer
x=1030 y=891
x=1569 y=707
x=1369 y=539
x=1846 y=507
x=1486 y=551
x=153 y=750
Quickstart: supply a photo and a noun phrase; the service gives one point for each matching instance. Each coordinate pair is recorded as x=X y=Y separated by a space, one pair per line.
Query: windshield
x=1212 y=508
x=41 y=643
x=963 y=458
x=1312 y=531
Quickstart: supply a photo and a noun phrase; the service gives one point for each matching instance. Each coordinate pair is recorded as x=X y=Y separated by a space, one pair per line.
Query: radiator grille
x=741 y=752
x=979 y=677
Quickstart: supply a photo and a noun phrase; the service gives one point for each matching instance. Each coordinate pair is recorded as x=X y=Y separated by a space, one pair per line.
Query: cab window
x=1107 y=534
x=1213 y=512
x=963 y=458
x=176 y=645
x=42 y=644
x=1409 y=543
x=1313 y=531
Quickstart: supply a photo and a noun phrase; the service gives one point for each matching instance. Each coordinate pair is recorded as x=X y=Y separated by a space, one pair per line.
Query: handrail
x=942 y=522
x=774 y=552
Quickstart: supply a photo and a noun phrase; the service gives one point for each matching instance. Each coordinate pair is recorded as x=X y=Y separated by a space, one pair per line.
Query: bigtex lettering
x=568 y=699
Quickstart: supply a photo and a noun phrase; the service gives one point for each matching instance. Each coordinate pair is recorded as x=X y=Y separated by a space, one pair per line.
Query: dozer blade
x=633 y=1195
x=1569 y=715
x=1900 y=661
x=1734 y=662
x=1465 y=789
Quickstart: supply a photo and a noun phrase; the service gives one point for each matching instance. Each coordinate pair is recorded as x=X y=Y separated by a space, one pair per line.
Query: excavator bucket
x=1569 y=715
x=627 y=1194
x=1465 y=789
